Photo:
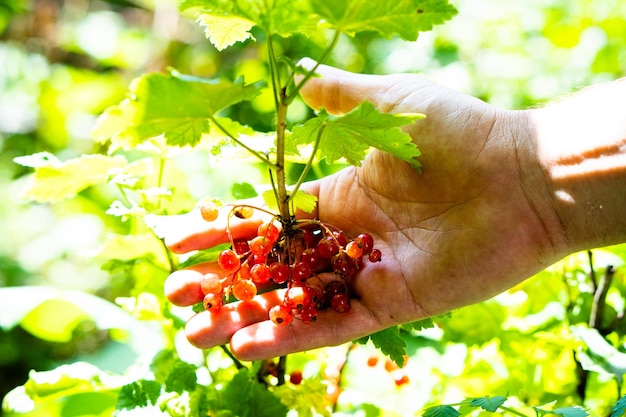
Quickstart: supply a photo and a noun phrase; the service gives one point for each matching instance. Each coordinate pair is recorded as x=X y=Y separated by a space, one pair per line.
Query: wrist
x=580 y=146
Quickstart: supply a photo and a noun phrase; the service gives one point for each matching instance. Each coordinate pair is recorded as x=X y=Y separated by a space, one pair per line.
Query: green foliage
x=534 y=342
x=351 y=135
x=180 y=107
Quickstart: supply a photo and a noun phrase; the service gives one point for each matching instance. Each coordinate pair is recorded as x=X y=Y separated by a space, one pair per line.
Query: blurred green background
x=63 y=62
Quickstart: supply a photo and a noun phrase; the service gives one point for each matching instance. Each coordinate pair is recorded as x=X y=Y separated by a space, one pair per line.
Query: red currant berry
x=280 y=315
x=341 y=237
x=240 y=247
x=367 y=242
x=309 y=239
x=354 y=250
x=209 y=210
x=244 y=289
x=260 y=273
x=212 y=302
x=312 y=257
x=372 y=361
x=279 y=272
x=401 y=379
x=308 y=314
x=328 y=247
x=269 y=231
x=340 y=303
x=301 y=271
x=343 y=265
x=211 y=284
x=297 y=297
x=295 y=377
x=260 y=245
x=243 y=212
x=375 y=255
x=228 y=260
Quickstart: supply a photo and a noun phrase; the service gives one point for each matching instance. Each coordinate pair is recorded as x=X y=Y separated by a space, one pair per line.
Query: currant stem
x=258 y=155
x=309 y=163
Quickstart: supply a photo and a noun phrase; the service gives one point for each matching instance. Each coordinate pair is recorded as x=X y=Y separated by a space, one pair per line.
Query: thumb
x=340 y=91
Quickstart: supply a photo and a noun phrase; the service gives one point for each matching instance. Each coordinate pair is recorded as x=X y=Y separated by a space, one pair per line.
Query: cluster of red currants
x=290 y=255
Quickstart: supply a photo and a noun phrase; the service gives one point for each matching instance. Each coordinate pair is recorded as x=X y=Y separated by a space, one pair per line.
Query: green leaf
x=441 y=411
x=54 y=320
x=224 y=30
x=390 y=343
x=174 y=105
x=281 y=17
x=351 y=136
x=181 y=378
x=619 y=409
x=304 y=201
x=488 y=403
x=405 y=18
x=243 y=190
x=305 y=398
x=243 y=395
x=204 y=255
x=570 y=412
x=140 y=393
x=54 y=180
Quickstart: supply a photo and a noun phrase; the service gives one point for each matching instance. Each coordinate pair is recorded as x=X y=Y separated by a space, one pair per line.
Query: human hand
x=472 y=225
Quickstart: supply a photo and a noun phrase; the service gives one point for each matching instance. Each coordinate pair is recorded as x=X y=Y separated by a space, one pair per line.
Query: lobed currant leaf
x=54 y=180
x=488 y=403
x=351 y=136
x=224 y=30
x=176 y=106
x=619 y=409
x=281 y=17
x=405 y=18
x=389 y=342
x=441 y=411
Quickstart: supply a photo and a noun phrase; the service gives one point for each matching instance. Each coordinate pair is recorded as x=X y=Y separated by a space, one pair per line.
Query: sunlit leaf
x=488 y=403
x=224 y=30
x=243 y=190
x=305 y=201
x=305 y=398
x=406 y=18
x=351 y=136
x=619 y=409
x=177 y=106
x=390 y=343
x=244 y=393
x=570 y=412
x=182 y=377
x=54 y=181
x=441 y=411
x=54 y=320
x=282 y=17
x=140 y=393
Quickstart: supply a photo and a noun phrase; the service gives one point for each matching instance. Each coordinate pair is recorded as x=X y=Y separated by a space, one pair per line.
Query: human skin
x=503 y=194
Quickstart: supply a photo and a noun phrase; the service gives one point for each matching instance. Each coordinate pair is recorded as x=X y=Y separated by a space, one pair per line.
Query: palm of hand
x=461 y=232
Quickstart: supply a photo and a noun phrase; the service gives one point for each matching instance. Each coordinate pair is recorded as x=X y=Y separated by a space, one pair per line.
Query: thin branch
x=599 y=298
x=236 y=361
x=257 y=154
x=333 y=43
x=309 y=163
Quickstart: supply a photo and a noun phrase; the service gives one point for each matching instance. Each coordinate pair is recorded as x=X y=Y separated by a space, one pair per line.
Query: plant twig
x=236 y=361
x=599 y=299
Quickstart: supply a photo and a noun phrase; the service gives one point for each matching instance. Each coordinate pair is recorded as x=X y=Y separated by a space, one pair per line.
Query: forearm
x=581 y=147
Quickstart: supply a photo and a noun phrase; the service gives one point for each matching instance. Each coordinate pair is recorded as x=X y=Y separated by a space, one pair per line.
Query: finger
x=189 y=231
x=208 y=329
x=340 y=91
x=264 y=340
x=182 y=287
